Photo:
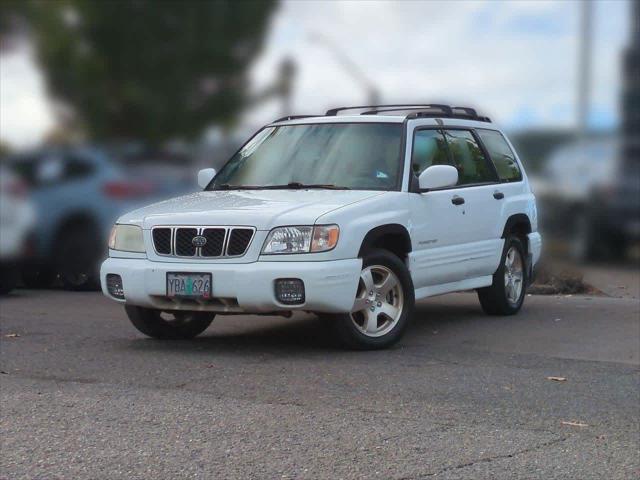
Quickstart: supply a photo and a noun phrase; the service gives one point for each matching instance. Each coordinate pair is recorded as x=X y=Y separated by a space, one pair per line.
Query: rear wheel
x=79 y=251
x=175 y=325
x=383 y=304
x=506 y=294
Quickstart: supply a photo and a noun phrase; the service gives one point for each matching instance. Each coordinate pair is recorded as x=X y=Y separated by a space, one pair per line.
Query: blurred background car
x=588 y=199
x=17 y=220
x=78 y=193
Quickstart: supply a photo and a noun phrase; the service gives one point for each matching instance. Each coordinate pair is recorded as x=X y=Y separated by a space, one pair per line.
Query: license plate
x=190 y=285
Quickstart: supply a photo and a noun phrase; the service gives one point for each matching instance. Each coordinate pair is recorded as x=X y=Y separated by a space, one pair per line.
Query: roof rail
x=293 y=117
x=391 y=107
x=442 y=110
x=417 y=111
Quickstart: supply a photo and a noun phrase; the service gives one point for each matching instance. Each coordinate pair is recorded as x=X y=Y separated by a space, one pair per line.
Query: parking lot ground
x=462 y=396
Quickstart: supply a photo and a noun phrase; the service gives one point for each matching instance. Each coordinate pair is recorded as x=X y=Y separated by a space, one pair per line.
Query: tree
x=145 y=69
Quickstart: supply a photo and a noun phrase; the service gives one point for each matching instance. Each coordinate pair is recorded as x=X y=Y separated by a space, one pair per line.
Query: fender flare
x=517 y=219
x=380 y=231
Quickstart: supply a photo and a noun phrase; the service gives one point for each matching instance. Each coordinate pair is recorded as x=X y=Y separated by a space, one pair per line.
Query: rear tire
x=183 y=325
x=383 y=305
x=79 y=256
x=506 y=294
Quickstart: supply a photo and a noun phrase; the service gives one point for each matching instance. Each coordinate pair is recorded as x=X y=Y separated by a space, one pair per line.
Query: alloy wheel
x=379 y=301
x=513 y=275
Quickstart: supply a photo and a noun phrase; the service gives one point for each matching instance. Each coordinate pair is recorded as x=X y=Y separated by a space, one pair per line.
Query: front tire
x=175 y=325
x=506 y=294
x=383 y=305
x=38 y=276
x=8 y=278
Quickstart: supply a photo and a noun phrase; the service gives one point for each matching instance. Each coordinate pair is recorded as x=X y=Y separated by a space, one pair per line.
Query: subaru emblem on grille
x=199 y=241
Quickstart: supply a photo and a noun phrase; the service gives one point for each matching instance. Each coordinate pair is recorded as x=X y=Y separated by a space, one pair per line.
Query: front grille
x=220 y=241
x=162 y=240
x=215 y=242
x=184 y=245
x=239 y=240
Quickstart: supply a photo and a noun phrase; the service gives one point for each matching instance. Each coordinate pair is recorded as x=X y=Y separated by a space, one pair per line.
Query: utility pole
x=584 y=68
x=630 y=101
x=282 y=87
x=373 y=92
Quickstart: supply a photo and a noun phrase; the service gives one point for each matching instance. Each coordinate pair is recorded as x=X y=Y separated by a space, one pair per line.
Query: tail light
x=127 y=189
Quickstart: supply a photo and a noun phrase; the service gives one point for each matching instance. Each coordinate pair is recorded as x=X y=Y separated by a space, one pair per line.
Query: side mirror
x=438 y=176
x=205 y=176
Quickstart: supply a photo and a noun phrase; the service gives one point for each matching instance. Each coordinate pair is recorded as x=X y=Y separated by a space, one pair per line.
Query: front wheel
x=175 y=325
x=506 y=294
x=38 y=276
x=382 y=307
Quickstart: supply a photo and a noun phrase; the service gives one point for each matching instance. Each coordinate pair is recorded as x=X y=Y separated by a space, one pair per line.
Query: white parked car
x=17 y=219
x=352 y=215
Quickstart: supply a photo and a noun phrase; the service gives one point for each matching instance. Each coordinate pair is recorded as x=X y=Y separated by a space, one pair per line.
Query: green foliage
x=150 y=70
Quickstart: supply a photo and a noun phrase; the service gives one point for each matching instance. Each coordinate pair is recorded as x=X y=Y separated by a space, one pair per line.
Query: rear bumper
x=535 y=247
x=533 y=256
x=239 y=288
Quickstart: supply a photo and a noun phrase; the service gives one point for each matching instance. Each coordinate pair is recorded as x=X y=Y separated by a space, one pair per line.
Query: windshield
x=359 y=156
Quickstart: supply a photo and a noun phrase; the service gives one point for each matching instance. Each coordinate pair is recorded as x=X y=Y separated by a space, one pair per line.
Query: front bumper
x=330 y=286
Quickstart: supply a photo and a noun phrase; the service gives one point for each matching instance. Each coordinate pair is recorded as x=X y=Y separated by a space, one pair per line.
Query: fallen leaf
x=12 y=335
x=557 y=379
x=574 y=424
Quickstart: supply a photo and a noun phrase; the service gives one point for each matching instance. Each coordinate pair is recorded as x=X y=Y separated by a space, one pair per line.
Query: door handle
x=498 y=195
x=456 y=200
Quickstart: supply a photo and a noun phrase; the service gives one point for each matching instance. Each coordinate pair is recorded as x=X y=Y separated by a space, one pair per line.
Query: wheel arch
x=393 y=237
x=520 y=225
x=76 y=218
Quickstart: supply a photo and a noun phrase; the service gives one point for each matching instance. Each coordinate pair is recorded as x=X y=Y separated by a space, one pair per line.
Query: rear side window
x=502 y=156
x=429 y=148
x=468 y=158
x=76 y=168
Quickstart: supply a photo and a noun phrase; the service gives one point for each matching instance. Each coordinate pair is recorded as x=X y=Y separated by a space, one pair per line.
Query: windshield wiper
x=302 y=186
x=290 y=185
x=226 y=186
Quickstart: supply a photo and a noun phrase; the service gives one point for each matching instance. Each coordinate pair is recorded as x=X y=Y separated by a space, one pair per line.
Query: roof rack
x=416 y=110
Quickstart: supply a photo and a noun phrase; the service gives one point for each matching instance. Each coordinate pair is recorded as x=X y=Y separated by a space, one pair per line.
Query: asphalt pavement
x=552 y=393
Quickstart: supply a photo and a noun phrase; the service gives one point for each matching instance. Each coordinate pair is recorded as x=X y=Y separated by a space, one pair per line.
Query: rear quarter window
x=501 y=155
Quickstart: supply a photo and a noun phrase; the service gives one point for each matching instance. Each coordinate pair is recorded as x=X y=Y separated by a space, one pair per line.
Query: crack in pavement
x=488 y=459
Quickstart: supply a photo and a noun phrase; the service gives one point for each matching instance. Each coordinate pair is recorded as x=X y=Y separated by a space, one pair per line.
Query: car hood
x=263 y=209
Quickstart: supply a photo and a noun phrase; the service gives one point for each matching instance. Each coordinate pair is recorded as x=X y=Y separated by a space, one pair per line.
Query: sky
x=515 y=61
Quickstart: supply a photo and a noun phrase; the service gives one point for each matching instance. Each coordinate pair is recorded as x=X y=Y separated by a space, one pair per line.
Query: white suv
x=352 y=215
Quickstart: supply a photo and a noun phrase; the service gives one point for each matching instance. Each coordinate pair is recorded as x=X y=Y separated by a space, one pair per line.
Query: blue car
x=78 y=193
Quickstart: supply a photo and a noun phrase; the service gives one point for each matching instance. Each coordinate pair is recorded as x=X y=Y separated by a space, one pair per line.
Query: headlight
x=127 y=238
x=302 y=239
